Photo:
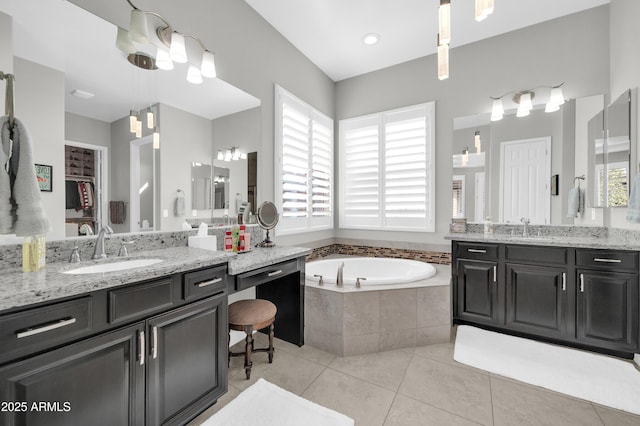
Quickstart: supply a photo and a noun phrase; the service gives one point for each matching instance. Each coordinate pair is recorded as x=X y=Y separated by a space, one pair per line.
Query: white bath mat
x=605 y=380
x=266 y=404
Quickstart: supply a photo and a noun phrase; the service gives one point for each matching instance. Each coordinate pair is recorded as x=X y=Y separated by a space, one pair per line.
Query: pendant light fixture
x=138 y=129
x=124 y=43
x=443 y=60
x=150 y=121
x=444 y=21
x=477 y=142
x=133 y=120
x=483 y=8
x=156 y=138
x=465 y=156
x=163 y=60
x=177 y=50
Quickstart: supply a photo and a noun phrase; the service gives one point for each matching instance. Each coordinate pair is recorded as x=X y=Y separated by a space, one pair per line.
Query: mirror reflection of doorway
x=142 y=189
x=252 y=181
x=524 y=180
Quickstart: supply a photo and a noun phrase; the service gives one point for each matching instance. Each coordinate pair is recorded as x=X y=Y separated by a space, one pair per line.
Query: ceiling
x=82 y=46
x=330 y=32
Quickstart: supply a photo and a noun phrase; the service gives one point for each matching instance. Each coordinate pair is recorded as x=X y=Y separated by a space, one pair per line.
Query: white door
x=524 y=180
x=479 y=200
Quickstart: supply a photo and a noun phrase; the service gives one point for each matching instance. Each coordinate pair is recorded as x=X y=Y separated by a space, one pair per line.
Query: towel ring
x=578 y=178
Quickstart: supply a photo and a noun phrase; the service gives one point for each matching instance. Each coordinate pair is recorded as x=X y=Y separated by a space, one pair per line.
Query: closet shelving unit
x=80 y=167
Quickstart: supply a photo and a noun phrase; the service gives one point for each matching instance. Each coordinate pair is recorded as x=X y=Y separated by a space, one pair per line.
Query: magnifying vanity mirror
x=267 y=219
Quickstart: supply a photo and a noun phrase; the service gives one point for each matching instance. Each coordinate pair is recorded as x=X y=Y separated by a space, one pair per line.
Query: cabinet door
x=477 y=291
x=99 y=381
x=187 y=368
x=607 y=309
x=536 y=299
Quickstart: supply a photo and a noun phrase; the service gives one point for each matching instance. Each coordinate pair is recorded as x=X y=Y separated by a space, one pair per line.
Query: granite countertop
x=264 y=256
x=550 y=240
x=19 y=288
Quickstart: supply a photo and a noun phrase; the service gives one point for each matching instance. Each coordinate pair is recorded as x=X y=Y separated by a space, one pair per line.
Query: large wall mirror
x=99 y=87
x=523 y=166
x=610 y=151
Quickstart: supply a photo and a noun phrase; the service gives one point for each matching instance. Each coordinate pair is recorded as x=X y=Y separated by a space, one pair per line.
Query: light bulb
x=208 y=68
x=177 y=51
x=193 y=75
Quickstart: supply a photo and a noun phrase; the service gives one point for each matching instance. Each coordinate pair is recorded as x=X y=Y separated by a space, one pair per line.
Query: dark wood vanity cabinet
x=581 y=297
x=160 y=363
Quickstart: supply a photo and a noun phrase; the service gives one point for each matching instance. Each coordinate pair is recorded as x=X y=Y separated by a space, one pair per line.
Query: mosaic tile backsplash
x=365 y=251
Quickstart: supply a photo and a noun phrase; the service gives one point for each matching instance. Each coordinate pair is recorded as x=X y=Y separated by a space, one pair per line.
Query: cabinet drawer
x=140 y=300
x=44 y=327
x=479 y=251
x=610 y=260
x=198 y=284
x=266 y=274
x=537 y=254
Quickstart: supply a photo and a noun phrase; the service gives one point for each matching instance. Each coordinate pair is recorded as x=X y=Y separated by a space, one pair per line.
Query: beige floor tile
x=443 y=352
x=409 y=412
x=518 y=404
x=307 y=352
x=385 y=369
x=450 y=388
x=288 y=371
x=367 y=404
x=612 y=417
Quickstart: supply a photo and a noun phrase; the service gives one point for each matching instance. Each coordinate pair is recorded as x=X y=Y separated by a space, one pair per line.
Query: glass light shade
x=444 y=20
x=476 y=141
x=227 y=155
x=443 y=61
x=480 y=11
x=150 y=124
x=465 y=156
x=138 y=129
x=522 y=111
x=133 y=120
x=497 y=110
x=156 y=138
x=163 y=60
x=525 y=101
x=235 y=154
x=138 y=31
x=220 y=155
x=208 y=68
x=177 y=51
x=123 y=42
x=193 y=75
x=556 y=97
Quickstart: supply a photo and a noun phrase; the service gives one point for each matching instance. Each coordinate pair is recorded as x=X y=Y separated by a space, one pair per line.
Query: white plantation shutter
x=304 y=159
x=387 y=170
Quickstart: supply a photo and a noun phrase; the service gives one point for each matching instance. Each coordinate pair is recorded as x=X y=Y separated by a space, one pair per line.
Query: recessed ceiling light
x=371 y=39
x=82 y=94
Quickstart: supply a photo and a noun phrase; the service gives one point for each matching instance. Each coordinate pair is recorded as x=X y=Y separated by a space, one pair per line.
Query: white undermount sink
x=114 y=266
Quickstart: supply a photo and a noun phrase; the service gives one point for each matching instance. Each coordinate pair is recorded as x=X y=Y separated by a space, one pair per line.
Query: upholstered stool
x=249 y=315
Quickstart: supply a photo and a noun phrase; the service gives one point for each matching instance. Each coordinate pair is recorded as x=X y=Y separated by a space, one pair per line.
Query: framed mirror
x=221 y=187
x=267 y=219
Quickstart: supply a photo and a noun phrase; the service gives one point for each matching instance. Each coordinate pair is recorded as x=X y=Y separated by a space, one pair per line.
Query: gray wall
x=86 y=130
x=574 y=49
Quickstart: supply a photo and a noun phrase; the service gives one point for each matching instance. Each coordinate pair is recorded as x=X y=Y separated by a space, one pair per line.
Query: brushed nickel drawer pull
x=141 y=344
x=581 y=283
x=598 y=259
x=274 y=273
x=495 y=274
x=564 y=281
x=154 y=348
x=52 y=326
x=210 y=282
x=476 y=251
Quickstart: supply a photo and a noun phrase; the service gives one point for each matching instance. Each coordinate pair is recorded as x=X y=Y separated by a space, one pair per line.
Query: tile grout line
x=493 y=418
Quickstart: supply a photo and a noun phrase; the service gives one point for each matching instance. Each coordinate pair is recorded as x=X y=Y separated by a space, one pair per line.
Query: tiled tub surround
x=348 y=321
x=60 y=250
x=368 y=251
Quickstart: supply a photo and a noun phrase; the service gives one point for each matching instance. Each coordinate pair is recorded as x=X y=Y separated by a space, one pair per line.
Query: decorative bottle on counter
x=228 y=241
x=241 y=239
x=33 y=253
x=235 y=235
x=488 y=226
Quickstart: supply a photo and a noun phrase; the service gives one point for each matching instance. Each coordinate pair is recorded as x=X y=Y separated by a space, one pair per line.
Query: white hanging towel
x=178 y=209
x=574 y=202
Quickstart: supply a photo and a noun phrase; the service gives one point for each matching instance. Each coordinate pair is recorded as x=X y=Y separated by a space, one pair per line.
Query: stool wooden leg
x=229 y=350
x=248 y=348
x=271 y=343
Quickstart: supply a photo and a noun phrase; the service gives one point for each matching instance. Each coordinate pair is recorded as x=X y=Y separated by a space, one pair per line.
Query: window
x=387 y=170
x=304 y=165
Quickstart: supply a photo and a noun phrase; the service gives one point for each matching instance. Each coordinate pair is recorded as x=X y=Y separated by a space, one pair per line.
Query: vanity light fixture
x=220 y=155
x=524 y=100
x=165 y=37
x=231 y=154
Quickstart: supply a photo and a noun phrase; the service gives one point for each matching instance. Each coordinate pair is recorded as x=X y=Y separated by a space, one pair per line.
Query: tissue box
x=207 y=242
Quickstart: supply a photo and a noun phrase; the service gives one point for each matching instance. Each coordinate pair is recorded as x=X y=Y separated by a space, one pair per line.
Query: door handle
x=564 y=281
x=601 y=260
x=154 y=348
x=495 y=274
x=274 y=273
x=581 y=283
x=210 y=282
x=141 y=345
x=476 y=251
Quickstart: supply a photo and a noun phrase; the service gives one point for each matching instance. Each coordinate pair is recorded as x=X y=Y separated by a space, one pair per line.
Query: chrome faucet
x=525 y=226
x=98 y=251
x=339 y=280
